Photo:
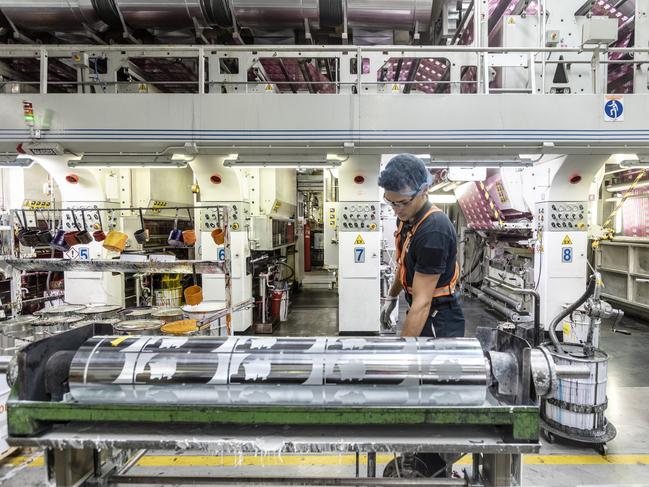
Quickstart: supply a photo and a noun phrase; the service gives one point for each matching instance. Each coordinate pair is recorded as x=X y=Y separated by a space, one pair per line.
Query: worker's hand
x=386 y=311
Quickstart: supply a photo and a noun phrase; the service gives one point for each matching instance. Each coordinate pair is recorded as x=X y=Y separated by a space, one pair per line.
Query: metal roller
x=514 y=303
x=280 y=371
x=53 y=15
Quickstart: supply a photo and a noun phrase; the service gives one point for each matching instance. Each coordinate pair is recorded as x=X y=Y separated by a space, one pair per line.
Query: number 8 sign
x=566 y=255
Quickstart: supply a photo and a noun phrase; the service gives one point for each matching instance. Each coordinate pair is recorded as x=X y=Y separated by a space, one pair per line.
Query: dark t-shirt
x=433 y=250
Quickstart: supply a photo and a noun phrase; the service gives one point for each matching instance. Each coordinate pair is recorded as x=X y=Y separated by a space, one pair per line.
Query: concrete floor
x=314 y=312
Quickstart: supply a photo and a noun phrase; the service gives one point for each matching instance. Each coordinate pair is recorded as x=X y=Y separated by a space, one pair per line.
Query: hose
x=477 y=260
x=553 y=332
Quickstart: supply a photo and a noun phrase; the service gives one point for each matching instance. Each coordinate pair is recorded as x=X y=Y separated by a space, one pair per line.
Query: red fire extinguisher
x=307 y=248
x=276 y=304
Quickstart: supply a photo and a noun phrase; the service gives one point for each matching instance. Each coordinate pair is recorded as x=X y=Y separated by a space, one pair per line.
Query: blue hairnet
x=405 y=174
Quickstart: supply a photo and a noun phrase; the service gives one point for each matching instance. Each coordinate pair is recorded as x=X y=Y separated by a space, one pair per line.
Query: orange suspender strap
x=402 y=251
x=449 y=289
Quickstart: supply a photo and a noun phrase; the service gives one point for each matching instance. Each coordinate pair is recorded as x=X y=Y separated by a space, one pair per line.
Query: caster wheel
x=550 y=437
x=602 y=449
x=407 y=467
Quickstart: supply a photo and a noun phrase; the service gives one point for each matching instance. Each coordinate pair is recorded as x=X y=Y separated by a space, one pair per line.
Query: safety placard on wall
x=36 y=204
x=72 y=254
x=566 y=255
x=614 y=108
x=359 y=255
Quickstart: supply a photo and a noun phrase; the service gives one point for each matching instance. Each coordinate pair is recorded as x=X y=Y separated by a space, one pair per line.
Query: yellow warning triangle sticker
x=269 y=87
x=511 y=21
x=396 y=88
x=566 y=240
x=359 y=241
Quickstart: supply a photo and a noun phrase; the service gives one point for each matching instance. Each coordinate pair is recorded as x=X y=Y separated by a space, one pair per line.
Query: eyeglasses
x=400 y=204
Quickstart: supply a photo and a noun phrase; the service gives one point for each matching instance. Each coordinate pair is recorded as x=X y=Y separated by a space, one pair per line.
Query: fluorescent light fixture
x=618 y=188
x=120 y=161
x=18 y=160
x=284 y=162
x=482 y=163
x=179 y=156
x=274 y=165
x=453 y=186
x=634 y=164
x=438 y=186
x=446 y=199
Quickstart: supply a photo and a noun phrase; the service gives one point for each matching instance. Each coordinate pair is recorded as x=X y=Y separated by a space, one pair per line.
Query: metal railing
x=492 y=69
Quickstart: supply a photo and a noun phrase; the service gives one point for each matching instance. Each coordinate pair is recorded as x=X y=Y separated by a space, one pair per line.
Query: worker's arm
x=423 y=287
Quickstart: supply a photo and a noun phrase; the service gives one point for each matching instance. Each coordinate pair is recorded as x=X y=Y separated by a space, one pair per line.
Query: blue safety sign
x=614 y=109
x=566 y=255
x=359 y=255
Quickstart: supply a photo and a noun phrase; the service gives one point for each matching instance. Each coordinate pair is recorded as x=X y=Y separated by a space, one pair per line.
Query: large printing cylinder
x=280 y=371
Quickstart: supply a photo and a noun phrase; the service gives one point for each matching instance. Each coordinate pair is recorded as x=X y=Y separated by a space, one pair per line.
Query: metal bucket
x=575 y=329
x=105 y=321
x=143 y=313
x=19 y=323
x=138 y=327
x=578 y=405
x=168 y=314
x=15 y=333
x=100 y=311
x=61 y=310
x=168 y=297
x=15 y=340
x=51 y=325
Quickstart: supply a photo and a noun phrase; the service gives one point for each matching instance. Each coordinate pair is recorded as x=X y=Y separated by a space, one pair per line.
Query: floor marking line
x=348 y=459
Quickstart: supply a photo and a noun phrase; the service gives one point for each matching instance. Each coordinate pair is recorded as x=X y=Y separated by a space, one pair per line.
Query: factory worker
x=426 y=244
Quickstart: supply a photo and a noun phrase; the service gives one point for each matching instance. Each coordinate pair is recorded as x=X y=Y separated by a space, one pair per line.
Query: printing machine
x=84 y=396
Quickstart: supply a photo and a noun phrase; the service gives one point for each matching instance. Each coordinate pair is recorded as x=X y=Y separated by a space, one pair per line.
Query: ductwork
x=391 y=14
x=276 y=13
x=53 y=15
x=71 y=15
x=163 y=14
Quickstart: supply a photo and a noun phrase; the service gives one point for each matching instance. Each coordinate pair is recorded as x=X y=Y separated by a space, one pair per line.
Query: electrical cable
x=538 y=279
x=475 y=261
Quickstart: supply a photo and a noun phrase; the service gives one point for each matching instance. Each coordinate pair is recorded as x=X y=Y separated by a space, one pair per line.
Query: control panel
x=559 y=216
x=238 y=215
x=90 y=218
x=358 y=216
